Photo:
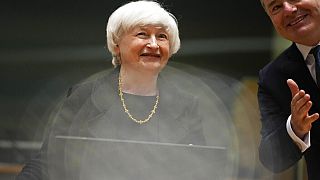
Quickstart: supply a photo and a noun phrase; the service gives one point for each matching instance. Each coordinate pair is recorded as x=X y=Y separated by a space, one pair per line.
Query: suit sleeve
x=35 y=169
x=48 y=162
x=277 y=151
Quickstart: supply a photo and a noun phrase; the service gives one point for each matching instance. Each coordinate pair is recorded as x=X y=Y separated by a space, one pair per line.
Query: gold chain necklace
x=128 y=112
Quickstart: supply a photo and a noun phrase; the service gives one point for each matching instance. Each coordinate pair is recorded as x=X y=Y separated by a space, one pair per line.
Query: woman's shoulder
x=89 y=84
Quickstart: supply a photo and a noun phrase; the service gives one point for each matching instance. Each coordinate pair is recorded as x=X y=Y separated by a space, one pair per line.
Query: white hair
x=140 y=13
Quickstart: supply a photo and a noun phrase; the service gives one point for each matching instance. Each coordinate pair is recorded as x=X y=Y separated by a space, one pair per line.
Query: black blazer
x=277 y=151
x=93 y=109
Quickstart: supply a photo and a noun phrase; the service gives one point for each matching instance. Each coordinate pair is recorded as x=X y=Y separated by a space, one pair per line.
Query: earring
x=116 y=60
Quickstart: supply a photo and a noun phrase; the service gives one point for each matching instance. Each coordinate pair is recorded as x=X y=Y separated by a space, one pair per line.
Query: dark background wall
x=48 y=45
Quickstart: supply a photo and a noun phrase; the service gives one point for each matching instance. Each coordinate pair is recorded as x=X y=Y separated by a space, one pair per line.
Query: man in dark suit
x=289 y=95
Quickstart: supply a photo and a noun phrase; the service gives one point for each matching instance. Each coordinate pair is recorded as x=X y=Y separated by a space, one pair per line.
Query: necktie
x=316 y=54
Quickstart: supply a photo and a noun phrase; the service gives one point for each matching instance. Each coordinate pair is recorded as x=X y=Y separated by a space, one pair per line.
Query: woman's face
x=144 y=48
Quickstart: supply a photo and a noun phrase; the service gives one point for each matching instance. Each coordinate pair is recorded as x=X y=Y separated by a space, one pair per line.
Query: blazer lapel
x=104 y=98
x=296 y=68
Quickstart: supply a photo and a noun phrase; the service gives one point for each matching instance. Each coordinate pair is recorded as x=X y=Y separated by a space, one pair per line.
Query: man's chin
x=297 y=35
x=303 y=31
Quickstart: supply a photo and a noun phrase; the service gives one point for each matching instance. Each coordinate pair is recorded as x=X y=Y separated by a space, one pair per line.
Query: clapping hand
x=301 y=121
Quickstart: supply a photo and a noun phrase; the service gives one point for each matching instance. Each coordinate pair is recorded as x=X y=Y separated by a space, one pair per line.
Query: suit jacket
x=93 y=109
x=277 y=150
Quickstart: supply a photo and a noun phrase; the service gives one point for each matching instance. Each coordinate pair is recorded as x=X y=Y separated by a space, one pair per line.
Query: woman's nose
x=153 y=42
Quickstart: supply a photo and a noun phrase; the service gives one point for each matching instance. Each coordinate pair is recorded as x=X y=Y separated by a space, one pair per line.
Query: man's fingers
x=299 y=99
x=294 y=88
x=303 y=103
x=312 y=118
x=304 y=125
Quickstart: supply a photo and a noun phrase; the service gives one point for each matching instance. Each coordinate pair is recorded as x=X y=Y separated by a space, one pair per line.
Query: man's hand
x=301 y=122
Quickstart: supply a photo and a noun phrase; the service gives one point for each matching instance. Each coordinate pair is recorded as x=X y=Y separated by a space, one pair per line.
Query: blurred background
x=48 y=45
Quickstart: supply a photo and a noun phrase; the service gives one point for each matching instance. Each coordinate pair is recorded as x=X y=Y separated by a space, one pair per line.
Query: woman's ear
x=117 y=49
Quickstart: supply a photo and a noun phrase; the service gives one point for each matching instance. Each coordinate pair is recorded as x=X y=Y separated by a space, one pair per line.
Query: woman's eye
x=141 y=34
x=163 y=36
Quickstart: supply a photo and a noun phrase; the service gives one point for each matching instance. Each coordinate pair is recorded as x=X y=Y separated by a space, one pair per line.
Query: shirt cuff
x=303 y=145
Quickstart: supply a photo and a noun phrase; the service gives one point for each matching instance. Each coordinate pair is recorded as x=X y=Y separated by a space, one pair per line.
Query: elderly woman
x=131 y=102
